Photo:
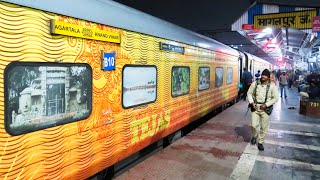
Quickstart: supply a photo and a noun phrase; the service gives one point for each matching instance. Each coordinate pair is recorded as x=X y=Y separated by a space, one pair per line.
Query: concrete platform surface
x=220 y=148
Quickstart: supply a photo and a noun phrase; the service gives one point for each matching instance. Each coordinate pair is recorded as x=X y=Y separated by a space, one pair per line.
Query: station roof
x=214 y=19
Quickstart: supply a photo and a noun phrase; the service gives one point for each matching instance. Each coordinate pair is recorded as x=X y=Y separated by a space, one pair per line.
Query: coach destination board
x=63 y=28
x=172 y=48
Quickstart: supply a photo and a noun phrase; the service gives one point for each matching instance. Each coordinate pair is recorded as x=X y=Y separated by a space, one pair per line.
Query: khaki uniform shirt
x=273 y=94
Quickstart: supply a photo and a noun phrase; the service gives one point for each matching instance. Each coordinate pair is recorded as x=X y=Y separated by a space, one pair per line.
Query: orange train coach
x=86 y=84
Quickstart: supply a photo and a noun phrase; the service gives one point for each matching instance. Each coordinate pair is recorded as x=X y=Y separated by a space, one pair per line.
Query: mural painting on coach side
x=180 y=81
x=204 y=78
x=219 y=76
x=43 y=96
x=229 y=75
x=139 y=85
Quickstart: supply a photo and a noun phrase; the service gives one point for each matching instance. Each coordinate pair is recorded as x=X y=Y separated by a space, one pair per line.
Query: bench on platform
x=310 y=107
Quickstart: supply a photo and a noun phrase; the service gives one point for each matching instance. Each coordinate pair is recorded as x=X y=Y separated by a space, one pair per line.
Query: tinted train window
x=229 y=75
x=203 y=78
x=43 y=95
x=180 y=81
x=139 y=85
x=219 y=76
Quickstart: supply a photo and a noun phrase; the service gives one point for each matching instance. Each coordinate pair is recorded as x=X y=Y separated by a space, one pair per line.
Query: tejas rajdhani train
x=86 y=84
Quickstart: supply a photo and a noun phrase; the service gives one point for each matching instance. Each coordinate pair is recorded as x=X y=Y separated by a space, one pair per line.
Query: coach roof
x=117 y=15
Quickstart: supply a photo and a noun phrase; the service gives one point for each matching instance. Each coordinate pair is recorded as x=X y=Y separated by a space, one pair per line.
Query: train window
x=43 y=95
x=139 y=85
x=180 y=81
x=203 y=78
x=229 y=75
x=219 y=76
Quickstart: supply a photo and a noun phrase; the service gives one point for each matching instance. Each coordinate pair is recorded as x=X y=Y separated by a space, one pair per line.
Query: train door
x=242 y=62
x=240 y=67
x=246 y=61
x=251 y=66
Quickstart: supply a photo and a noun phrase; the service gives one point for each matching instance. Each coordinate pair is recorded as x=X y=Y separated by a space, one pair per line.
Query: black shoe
x=253 y=140
x=260 y=147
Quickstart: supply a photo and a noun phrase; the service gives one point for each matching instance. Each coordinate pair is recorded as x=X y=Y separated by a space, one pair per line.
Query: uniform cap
x=266 y=72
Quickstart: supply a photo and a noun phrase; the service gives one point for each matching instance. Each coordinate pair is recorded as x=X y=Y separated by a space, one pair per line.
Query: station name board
x=172 y=48
x=296 y=19
x=63 y=28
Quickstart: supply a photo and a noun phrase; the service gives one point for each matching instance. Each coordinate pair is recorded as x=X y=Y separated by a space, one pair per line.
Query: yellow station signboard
x=296 y=19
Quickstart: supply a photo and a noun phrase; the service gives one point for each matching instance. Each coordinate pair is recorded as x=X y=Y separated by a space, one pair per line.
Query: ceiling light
x=272 y=46
x=267 y=30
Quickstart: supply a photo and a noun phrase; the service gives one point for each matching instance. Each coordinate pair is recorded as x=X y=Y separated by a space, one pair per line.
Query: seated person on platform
x=312 y=92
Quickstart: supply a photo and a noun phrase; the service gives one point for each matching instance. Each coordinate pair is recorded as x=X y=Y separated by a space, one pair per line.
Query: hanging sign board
x=247 y=26
x=67 y=29
x=172 y=48
x=316 y=24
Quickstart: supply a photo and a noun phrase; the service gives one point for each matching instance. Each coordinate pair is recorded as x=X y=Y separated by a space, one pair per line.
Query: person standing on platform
x=262 y=95
x=278 y=74
x=246 y=81
x=283 y=82
x=257 y=75
x=290 y=79
x=272 y=78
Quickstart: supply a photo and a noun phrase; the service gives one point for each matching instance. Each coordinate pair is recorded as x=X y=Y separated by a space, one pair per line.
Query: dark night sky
x=194 y=15
x=212 y=18
x=204 y=15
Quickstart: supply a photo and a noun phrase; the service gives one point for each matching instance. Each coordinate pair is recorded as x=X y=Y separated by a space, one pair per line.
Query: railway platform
x=220 y=148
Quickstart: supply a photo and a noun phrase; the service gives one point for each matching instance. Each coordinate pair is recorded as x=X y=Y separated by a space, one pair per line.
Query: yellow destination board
x=62 y=28
x=297 y=20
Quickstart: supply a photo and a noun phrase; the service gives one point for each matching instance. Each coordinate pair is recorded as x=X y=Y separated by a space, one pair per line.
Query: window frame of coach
x=172 y=76
x=215 y=76
x=199 y=77
x=41 y=95
x=148 y=85
x=231 y=75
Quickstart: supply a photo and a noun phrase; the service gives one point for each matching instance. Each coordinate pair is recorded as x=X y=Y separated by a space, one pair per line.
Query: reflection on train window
x=219 y=76
x=43 y=95
x=229 y=75
x=139 y=85
x=180 y=81
x=204 y=78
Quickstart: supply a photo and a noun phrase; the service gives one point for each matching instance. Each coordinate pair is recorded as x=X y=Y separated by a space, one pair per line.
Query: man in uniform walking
x=262 y=95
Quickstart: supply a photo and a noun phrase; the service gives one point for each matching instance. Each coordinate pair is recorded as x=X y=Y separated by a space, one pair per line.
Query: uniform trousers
x=259 y=119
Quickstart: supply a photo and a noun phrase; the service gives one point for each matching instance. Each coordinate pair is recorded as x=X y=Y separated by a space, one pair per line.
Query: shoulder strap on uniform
x=255 y=92
x=268 y=87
